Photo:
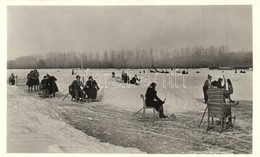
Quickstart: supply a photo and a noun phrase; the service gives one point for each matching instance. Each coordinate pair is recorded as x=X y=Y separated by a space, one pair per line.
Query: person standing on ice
x=36 y=81
x=75 y=89
x=152 y=100
x=206 y=86
x=30 y=82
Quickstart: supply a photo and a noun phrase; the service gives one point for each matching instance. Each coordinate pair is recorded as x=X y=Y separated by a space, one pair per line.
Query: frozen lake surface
x=33 y=119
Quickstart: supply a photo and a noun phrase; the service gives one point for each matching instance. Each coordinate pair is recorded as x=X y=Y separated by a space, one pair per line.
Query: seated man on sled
x=154 y=101
x=91 y=88
x=75 y=90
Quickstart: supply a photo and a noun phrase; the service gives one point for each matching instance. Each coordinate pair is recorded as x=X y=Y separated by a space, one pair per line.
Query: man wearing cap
x=75 y=87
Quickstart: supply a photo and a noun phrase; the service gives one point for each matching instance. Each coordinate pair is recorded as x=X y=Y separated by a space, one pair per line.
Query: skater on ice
x=154 y=101
x=91 y=88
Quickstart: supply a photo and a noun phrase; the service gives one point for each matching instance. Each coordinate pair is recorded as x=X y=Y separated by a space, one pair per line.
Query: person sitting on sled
x=153 y=100
x=75 y=90
x=134 y=80
x=12 y=79
x=218 y=83
x=91 y=88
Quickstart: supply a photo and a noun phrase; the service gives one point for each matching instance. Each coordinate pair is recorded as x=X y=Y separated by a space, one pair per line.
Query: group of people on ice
x=33 y=80
x=126 y=79
x=81 y=92
x=49 y=83
x=228 y=89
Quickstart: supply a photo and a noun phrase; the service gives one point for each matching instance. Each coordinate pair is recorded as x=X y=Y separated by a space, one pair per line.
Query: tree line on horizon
x=189 y=57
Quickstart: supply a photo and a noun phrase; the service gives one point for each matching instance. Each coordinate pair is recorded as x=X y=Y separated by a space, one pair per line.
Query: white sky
x=41 y=29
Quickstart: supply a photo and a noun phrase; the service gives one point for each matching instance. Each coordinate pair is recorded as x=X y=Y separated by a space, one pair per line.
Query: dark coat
x=30 y=81
x=75 y=85
x=151 y=96
x=52 y=86
x=134 y=80
x=217 y=84
x=12 y=80
x=91 y=89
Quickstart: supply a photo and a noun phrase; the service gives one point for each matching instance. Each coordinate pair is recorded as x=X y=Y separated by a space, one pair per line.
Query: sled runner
x=155 y=113
x=84 y=101
x=171 y=117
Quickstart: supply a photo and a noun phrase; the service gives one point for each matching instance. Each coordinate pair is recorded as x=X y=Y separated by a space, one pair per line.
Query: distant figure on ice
x=134 y=80
x=229 y=91
x=36 y=81
x=206 y=86
x=218 y=83
x=125 y=77
x=72 y=72
x=91 y=88
x=153 y=100
x=123 y=74
x=51 y=85
x=113 y=74
x=12 y=79
x=75 y=90
x=30 y=81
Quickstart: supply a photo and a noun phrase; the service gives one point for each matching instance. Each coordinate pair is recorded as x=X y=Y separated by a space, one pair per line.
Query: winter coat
x=75 y=85
x=151 y=95
x=52 y=86
x=91 y=89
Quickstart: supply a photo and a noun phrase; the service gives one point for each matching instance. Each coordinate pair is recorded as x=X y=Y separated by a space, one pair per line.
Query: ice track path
x=182 y=136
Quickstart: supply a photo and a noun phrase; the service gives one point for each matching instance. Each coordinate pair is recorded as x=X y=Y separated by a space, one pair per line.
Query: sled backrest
x=216 y=95
x=142 y=97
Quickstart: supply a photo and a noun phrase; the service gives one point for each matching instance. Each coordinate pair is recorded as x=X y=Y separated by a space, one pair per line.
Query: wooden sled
x=217 y=108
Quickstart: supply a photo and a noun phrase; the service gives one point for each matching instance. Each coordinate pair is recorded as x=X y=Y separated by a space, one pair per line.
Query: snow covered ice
x=38 y=125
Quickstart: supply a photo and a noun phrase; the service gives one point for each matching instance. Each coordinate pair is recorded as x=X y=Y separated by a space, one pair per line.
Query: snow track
x=113 y=125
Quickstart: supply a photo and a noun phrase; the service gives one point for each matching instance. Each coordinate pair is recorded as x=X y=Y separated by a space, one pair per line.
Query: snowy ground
x=52 y=125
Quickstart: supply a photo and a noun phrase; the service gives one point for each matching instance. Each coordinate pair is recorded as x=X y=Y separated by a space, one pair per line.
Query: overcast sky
x=41 y=29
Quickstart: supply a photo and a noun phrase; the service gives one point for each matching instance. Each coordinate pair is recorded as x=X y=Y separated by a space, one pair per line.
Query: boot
x=161 y=114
